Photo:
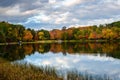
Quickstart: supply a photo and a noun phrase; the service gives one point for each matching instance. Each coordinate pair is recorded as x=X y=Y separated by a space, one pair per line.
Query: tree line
x=15 y=32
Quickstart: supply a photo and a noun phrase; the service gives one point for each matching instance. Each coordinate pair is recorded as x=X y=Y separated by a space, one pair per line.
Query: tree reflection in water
x=16 y=52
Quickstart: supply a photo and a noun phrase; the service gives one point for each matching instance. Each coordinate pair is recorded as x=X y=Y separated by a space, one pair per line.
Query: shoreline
x=57 y=41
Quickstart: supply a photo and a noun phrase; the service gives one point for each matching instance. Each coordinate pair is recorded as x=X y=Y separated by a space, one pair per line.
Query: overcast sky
x=50 y=14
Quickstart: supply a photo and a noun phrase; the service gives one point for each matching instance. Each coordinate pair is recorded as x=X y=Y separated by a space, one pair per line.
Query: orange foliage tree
x=56 y=34
x=27 y=35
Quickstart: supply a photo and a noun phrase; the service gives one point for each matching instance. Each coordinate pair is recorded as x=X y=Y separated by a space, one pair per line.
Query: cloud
x=71 y=2
x=62 y=18
x=14 y=11
x=52 y=1
x=59 y=13
x=103 y=21
x=7 y=3
x=55 y=19
x=77 y=62
x=40 y=18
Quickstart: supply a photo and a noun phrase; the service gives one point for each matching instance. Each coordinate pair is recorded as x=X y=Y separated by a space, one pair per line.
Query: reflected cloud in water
x=94 y=64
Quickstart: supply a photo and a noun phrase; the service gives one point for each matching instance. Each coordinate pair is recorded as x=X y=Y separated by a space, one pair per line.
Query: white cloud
x=39 y=18
x=51 y=18
x=75 y=20
x=62 y=18
x=12 y=11
x=69 y=3
x=103 y=21
x=43 y=17
x=52 y=1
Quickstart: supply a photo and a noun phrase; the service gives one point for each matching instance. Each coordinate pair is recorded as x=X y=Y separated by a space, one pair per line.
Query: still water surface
x=99 y=60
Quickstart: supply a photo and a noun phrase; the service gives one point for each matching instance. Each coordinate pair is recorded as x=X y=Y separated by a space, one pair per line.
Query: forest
x=16 y=32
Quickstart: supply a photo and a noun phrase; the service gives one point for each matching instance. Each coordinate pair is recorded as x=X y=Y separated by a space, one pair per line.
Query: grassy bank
x=24 y=72
x=30 y=72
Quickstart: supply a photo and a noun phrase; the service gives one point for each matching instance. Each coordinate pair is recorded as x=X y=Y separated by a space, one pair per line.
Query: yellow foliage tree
x=41 y=35
x=108 y=34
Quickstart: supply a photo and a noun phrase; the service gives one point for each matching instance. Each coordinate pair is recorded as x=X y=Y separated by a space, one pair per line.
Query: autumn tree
x=2 y=37
x=43 y=35
x=21 y=30
x=27 y=35
x=108 y=34
x=56 y=34
x=33 y=32
x=93 y=35
x=76 y=33
x=70 y=33
x=12 y=32
x=116 y=31
x=64 y=33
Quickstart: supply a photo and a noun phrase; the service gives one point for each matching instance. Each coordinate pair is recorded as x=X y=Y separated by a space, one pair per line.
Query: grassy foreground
x=24 y=72
x=29 y=72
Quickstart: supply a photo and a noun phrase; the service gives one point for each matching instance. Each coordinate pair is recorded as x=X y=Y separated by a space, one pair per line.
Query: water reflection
x=91 y=58
x=15 y=52
x=93 y=64
x=12 y=53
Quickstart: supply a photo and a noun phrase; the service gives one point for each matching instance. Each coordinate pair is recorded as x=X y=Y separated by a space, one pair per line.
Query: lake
x=92 y=61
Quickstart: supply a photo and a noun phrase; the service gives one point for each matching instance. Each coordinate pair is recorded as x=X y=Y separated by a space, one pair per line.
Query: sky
x=54 y=14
